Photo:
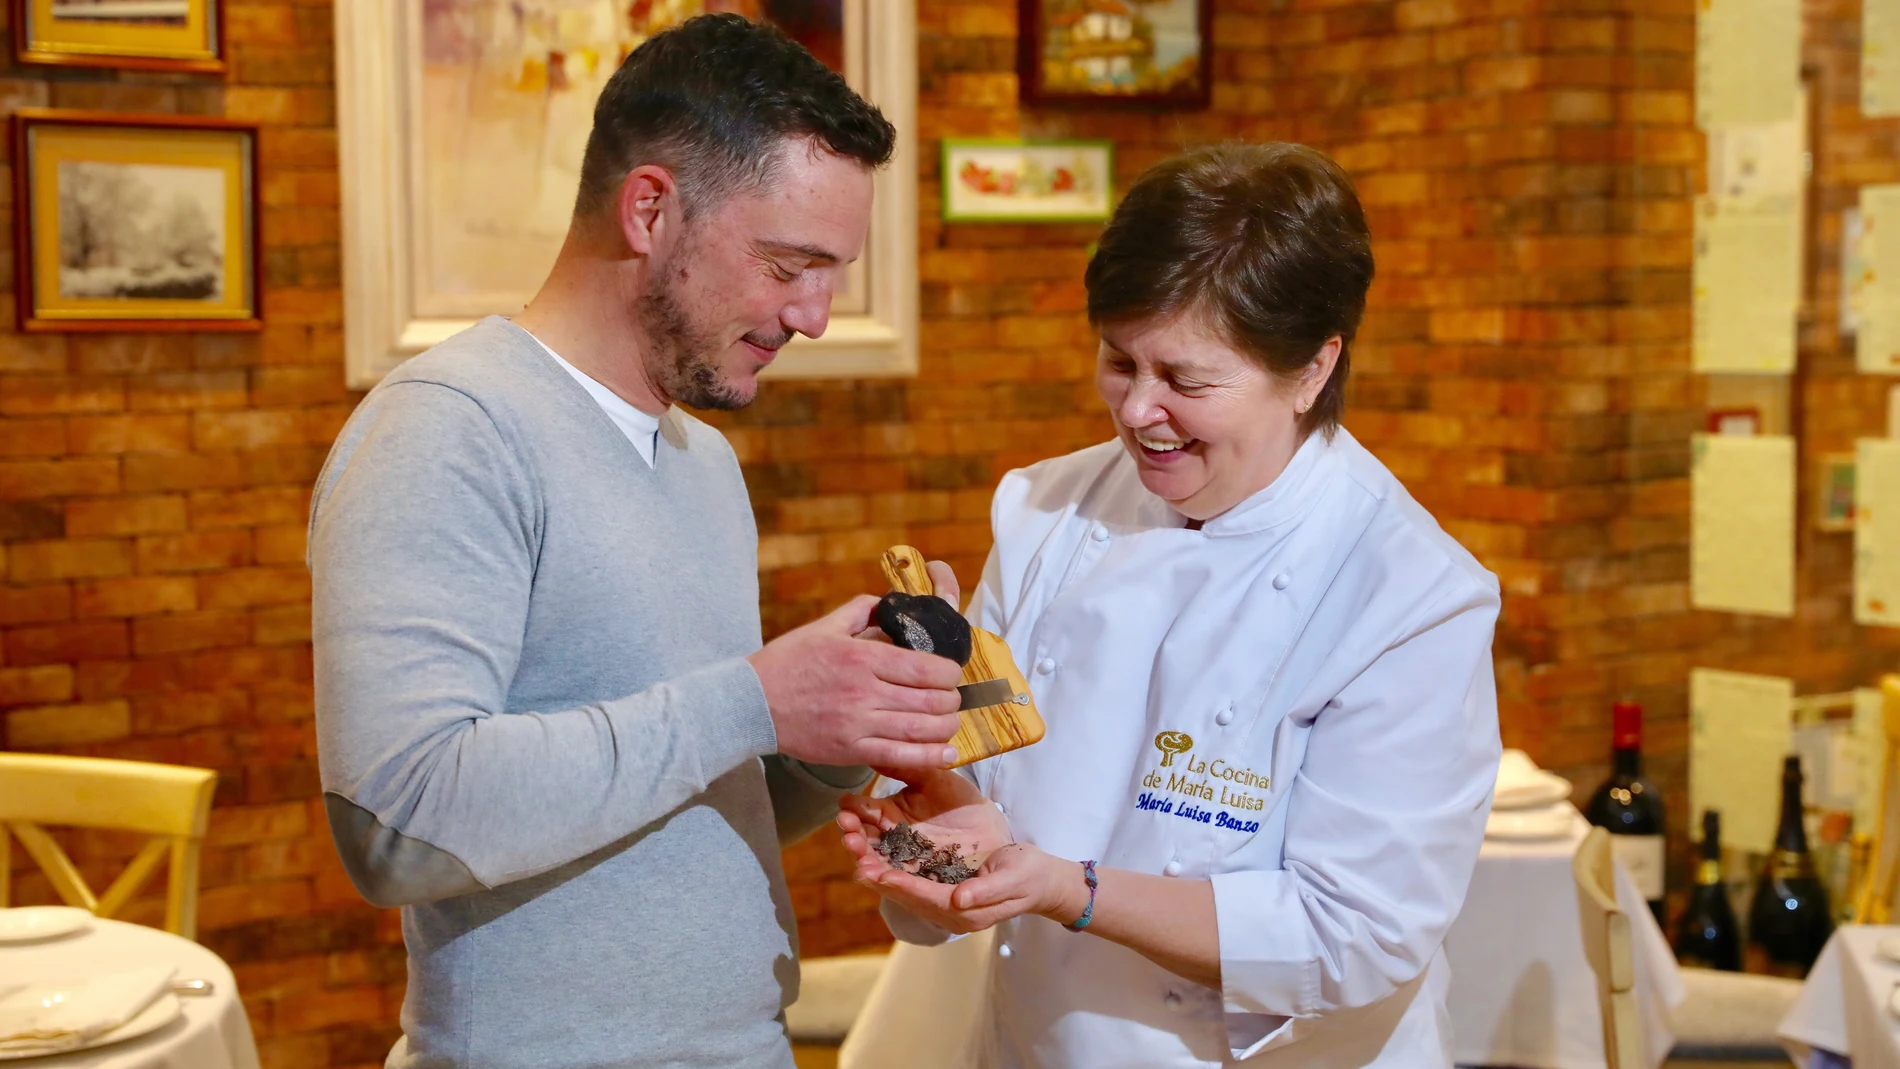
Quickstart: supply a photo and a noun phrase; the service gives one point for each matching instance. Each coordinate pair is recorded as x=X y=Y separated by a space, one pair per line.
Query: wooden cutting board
x=990 y=729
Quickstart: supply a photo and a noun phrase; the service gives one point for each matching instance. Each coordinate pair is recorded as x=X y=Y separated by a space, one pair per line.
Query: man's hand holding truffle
x=838 y=700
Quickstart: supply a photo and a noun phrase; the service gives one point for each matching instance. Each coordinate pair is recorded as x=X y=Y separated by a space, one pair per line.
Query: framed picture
x=1027 y=181
x=160 y=35
x=1096 y=53
x=1742 y=421
x=431 y=244
x=1834 y=492
x=134 y=222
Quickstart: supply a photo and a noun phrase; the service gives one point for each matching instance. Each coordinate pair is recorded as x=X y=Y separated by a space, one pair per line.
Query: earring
x=1304 y=405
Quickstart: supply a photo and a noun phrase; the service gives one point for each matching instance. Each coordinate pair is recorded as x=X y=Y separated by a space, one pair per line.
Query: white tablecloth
x=1843 y=1004
x=1522 y=993
x=213 y=1033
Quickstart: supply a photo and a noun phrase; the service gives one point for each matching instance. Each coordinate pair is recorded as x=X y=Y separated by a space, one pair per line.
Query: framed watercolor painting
x=1742 y=421
x=1834 y=492
x=134 y=222
x=432 y=243
x=1027 y=181
x=161 y=35
x=1104 y=53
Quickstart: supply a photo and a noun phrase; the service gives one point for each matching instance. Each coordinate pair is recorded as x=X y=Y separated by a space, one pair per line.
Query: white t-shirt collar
x=641 y=428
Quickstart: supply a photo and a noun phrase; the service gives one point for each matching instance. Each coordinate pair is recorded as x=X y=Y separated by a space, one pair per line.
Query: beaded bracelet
x=1088 y=874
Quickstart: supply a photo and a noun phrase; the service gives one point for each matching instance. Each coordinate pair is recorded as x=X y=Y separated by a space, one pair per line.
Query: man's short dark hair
x=1267 y=242
x=712 y=100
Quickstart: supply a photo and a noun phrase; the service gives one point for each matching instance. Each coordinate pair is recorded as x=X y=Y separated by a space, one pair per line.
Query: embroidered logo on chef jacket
x=1171 y=743
x=1179 y=791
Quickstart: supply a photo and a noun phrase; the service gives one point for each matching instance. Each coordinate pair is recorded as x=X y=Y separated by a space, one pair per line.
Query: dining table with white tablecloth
x=1846 y=1005
x=1522 y=993
x=209 y=1030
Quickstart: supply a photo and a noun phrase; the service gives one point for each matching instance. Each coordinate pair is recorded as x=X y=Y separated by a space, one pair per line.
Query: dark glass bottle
x=1630 y=808
x=1707 y=935
x=1789 y=922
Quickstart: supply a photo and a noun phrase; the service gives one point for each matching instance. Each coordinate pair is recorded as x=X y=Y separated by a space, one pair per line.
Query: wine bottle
x=1630 y=808
x=1707 y=934
x=1789 y=921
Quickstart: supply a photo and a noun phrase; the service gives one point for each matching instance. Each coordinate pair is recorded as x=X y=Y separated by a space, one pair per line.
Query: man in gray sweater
x=547 y=727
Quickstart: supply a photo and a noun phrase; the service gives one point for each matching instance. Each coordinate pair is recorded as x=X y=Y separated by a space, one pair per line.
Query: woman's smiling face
x=1207 y=425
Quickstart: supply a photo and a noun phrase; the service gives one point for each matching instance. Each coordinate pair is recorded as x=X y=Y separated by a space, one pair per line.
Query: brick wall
x=1526 y=167
x=155 y=604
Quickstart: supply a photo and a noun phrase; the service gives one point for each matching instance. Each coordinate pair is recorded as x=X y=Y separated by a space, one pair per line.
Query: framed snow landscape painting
x=134 y=222
x=461 y=125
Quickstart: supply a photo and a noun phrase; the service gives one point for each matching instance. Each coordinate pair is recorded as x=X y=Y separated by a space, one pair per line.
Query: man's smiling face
x=751 y=271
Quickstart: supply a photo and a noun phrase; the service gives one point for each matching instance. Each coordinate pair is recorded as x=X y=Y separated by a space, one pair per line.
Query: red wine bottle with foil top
x=1630 y=808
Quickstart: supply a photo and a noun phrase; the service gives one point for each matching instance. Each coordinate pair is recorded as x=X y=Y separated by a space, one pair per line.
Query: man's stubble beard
x=685 y=355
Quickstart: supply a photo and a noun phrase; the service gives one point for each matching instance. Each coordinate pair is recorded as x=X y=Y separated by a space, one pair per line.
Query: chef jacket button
x=1046 y=665
x=1172 y=868
x=1003 y=951
x=1280 y=581
x=1099 y=533
x=1173 y=1001
x=1225 y=716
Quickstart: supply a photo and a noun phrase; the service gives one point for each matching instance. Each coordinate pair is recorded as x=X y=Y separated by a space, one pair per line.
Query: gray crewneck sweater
x=537 y=731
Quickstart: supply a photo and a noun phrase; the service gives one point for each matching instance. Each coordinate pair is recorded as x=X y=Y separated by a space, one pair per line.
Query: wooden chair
x=1873 y=899
x=171 y=803
x=1606 y=943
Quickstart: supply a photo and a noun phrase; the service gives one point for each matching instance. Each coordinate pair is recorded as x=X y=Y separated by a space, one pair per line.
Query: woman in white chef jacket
x=1266 y=673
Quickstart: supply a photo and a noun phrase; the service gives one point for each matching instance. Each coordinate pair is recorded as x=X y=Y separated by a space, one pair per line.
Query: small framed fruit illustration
x=134 y=222
x=1834 y=492
x=1027 y=181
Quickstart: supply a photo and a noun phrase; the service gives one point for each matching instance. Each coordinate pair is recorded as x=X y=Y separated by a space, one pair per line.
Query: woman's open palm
x=938 y=804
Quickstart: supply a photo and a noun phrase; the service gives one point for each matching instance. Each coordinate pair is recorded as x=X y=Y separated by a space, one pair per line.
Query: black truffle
x=925 y=623
x=903 y=844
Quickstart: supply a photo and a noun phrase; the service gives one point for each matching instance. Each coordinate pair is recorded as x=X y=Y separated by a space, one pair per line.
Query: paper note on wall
x=1740 y=728
x=1853 y=271
x=1747 y=285
x=1869 y=744
x=1877 y=532
x=1741 y=523
x=1880 y=57
x=1747 y=60
x=1876 y=293
x=1756 y=161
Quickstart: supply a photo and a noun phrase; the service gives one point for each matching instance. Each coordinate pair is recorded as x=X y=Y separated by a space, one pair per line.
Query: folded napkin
x=1545 y=822
x=1522 y=784
x=52 y=1018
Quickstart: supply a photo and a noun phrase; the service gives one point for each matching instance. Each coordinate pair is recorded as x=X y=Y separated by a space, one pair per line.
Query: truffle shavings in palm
x=903 y=844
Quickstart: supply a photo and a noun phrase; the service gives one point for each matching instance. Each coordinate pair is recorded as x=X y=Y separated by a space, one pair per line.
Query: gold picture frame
x=134 y=222
x=156 y=35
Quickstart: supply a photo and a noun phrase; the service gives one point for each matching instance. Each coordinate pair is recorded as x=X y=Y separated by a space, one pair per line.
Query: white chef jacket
x=1296 y=702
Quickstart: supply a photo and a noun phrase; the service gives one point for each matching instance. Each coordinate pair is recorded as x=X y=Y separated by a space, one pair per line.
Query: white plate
x=29 y=923
x=1531 y=825
x=1888 y=948
x=160 y=1013
x=1539 y=789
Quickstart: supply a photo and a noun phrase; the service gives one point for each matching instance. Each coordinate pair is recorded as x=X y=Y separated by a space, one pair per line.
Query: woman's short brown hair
x=1267 y=241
